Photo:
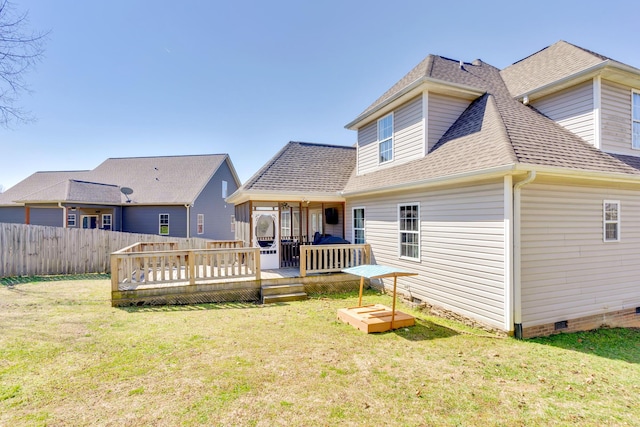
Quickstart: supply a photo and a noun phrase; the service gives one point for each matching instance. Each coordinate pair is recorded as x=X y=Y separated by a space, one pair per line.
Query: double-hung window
x=164 y=224
x=107 y=221
x=611 y=220
x=358 y=226
x=409 y=231
x=635 y=108
x=71 y=220
x=200 y=224
x=385 y=139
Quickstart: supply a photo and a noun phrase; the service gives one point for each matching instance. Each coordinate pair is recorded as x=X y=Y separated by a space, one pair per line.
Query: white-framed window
x=107 y=221
x=611 y=220
x=163 y=222
x=71 y=220
x=285 y=224
x=409 y=231
x=233 y=224
x=635 y=121
x=385 y=139
x=358 y=226
x=200 y=224
x=224 y=189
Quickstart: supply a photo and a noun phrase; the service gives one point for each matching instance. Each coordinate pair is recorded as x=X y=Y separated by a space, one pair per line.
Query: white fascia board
x=500 y=171
x=278 y=196
x=413 y=89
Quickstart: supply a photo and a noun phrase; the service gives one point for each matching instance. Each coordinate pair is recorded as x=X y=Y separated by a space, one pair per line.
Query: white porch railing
x=137 y=265
x=332 y=258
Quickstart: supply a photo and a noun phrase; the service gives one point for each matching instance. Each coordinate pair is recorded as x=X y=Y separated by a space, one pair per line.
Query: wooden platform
x=375 y=318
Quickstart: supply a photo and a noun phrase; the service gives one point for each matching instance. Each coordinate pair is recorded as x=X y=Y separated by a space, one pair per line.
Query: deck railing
x=332 y=258
x=220 y=244
x=134 y=265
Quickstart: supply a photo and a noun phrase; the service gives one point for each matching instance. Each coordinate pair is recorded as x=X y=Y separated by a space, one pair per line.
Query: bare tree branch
x=20 y=50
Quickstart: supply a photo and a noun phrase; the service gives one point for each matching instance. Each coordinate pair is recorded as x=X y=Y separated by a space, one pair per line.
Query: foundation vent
x=563 y=324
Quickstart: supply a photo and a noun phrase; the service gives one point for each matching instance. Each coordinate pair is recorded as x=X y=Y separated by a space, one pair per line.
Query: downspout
x=64 y=216
x=517 y=255
x=188 y=220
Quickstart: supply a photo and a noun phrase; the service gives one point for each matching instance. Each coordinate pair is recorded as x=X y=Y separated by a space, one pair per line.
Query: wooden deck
x=164 y=276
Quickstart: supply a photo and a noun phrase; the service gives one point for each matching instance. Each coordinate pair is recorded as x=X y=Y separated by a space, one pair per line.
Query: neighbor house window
x=200 y=224
x=164 y=224
x=224 y=189
x=409 y=230
x=233 y=223
x=358 y=225
x=106 y=221
x=611 y=220
x=385 y=138
x=71 y=220
x=635 y=107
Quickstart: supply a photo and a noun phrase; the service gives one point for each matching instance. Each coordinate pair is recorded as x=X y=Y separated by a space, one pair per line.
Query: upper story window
x=635 y=108
x=611 y=220
x=163 y=221
x=358 y=225
x=224 y=189
x=409 y=231
x=385 y=139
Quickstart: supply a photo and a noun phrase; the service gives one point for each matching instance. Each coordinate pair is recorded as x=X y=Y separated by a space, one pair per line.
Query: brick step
x=295 y=296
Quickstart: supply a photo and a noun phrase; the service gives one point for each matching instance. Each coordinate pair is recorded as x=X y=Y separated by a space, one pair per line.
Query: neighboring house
x=513 y=193
x=181 y=196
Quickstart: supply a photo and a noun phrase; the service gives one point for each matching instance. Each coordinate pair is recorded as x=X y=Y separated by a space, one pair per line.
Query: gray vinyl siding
x=52 y=217
x=12 y=214
x=408 y=137
x=217 y=213
x=367 y=148
x=568 y=271
x=572 y=108
x=616 y=119
x=145 y=219
x=443 y=112
x=462 y=249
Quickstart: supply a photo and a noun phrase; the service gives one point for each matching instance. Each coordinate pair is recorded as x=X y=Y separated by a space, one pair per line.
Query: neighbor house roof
x=300 y=170
x=154 y=181
x=495 y=131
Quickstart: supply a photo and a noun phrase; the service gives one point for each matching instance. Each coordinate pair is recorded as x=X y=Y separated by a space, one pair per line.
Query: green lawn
x=68 y=358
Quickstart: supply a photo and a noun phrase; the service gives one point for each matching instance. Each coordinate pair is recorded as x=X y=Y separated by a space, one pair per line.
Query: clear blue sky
x=146 y=78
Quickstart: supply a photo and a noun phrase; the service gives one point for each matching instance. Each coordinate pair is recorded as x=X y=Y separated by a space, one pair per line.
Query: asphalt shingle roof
x=304 y=166
x=154 y=180
x=495 y=130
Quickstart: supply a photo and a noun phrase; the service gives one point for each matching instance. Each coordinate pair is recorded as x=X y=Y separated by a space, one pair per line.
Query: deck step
x=295 y=296
x=280 y=289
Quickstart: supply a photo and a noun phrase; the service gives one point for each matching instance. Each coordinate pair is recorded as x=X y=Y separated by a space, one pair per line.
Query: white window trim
x=637 y=146
x=225 y=187
x=71 y=223
x=160 y=224
x=110 y=222
x=418 y=233
x=353 y=226
x=391 y=138
x=618 y=222
x=200 y=222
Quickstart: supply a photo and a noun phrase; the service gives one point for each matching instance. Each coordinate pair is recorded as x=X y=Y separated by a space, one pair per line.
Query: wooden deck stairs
x=283 y=292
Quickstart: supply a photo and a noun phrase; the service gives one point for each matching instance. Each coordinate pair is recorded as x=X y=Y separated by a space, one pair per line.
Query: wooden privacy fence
x=28 y=250
x=136 y=265
x=332 y=258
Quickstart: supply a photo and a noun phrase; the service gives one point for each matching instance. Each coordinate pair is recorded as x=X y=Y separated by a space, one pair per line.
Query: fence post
x=303 y=260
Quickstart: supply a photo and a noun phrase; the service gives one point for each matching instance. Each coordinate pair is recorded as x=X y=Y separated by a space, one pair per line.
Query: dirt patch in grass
x=68 y=358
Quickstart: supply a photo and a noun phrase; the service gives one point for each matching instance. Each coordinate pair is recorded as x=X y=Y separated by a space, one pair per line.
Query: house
x=181 y=196
x=513 y=193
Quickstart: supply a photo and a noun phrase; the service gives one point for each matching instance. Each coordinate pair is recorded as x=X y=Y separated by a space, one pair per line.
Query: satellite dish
x=126 y=191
